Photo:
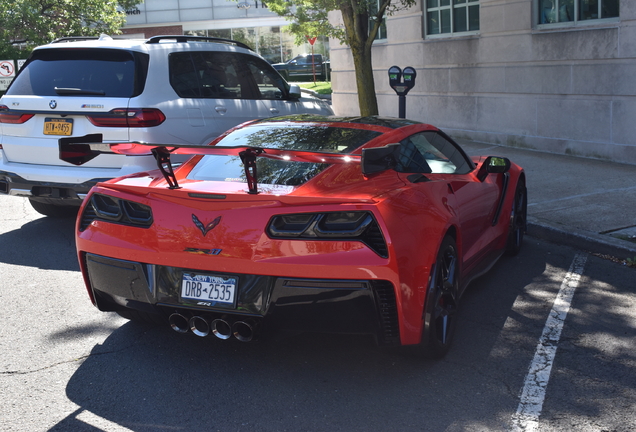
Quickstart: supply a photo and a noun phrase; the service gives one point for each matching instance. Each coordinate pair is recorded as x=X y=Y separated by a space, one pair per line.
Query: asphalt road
x=65 y=366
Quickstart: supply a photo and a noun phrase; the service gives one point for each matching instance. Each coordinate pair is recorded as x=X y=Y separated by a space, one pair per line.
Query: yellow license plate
x=58 y=126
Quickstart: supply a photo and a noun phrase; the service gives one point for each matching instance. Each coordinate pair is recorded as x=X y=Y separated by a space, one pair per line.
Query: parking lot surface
x=68 y=367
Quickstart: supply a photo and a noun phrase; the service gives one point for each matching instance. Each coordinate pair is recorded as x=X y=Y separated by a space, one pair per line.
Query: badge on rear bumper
x=205 y=228
x=203 y=251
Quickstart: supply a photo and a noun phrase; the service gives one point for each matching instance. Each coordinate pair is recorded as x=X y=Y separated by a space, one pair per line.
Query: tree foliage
x=362 y=20
x=25 y=24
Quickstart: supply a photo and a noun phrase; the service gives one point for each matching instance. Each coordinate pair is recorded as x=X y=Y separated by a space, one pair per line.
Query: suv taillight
x=128 y=117
x=8 y=116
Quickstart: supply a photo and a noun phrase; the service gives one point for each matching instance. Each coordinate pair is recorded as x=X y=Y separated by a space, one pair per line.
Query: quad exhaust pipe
x=179 y=323
x=244 y=331
x=221 y=329
x=199 y=326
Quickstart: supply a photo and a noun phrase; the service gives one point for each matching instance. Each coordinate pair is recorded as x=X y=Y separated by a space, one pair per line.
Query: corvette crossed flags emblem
x=205 y=228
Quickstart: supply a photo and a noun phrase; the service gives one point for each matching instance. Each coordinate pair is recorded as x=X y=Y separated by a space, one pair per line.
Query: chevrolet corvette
x=372 y=226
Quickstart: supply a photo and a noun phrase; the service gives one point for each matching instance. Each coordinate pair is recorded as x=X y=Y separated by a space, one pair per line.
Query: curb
x=580 y=239
x=315 y=94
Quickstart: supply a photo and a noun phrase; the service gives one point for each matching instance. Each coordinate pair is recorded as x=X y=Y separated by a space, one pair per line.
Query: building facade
x=250 y=22
x=550 y=75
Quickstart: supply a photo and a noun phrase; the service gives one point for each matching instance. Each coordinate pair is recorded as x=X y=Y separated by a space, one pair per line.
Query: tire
x=141 y=317
x=518 y=219
x=54 y=210
x=444 y=302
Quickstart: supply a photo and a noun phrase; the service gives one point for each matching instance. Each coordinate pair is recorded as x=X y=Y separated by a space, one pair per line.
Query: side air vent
x=87 y=217
x=375 y=240
x=110 y=209
x=384 y=293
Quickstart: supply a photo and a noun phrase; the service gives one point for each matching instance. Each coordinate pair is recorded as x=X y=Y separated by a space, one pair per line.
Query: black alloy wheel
x=443 y=310
x=518 y=219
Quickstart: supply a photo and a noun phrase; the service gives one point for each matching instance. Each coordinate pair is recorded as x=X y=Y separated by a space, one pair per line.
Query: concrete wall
x=570 y=91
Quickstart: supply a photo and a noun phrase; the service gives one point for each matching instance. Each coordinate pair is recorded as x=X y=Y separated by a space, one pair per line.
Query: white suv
x=166 y=89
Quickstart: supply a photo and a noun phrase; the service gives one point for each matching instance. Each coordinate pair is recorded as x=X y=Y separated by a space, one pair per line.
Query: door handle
x=274 y=110
x=220 y=109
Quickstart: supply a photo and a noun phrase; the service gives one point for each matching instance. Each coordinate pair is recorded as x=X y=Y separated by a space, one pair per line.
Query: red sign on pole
x=311 y=40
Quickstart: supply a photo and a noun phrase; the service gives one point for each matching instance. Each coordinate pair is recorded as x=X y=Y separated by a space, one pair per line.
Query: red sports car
x=347 y=225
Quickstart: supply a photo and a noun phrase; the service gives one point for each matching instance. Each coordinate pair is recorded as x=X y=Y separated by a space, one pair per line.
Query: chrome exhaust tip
x=221 y=329
x=243 y=331
x=179 y=323
x=199 y=326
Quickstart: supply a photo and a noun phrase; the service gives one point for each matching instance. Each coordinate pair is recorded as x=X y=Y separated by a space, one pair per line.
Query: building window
x=561 y=11
x=451 y=16
x=373 y=9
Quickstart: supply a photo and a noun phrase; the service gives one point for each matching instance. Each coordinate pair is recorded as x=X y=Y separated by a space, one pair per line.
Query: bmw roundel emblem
x=52 y=104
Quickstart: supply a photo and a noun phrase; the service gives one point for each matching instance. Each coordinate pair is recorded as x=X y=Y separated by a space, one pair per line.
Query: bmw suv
x=166 y=89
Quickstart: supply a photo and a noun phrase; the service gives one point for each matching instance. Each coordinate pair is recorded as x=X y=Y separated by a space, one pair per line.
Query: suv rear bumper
x=74 y=194
x=62 y=184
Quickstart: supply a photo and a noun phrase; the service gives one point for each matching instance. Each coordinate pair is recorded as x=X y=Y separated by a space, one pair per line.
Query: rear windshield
x=280 y=136
x=81 y=72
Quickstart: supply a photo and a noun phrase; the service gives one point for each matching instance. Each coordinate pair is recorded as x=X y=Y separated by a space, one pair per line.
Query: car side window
x=223 y=75
x=270 y=85
x=430 y=152
x=412 y=158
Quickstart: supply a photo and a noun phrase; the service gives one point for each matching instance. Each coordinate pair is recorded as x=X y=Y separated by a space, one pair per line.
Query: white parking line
x=526 y=419
x=100 y=423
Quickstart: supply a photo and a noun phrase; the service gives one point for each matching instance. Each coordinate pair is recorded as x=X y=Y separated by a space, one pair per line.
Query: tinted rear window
x=94 y=72
x=295 y=136
x=289 y=137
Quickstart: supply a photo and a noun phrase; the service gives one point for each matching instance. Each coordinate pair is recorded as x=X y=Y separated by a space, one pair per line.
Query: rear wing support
x=162 y=156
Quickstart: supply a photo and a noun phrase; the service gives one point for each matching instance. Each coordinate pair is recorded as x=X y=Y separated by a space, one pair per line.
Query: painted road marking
x=100 y=423
x=526 y=419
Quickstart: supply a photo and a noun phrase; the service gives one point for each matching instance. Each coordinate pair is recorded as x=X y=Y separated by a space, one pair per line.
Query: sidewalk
x=585 y=203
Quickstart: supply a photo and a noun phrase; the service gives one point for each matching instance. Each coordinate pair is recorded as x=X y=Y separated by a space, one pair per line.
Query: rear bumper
x=13 y=184
x=62 y=184
x=275 y=303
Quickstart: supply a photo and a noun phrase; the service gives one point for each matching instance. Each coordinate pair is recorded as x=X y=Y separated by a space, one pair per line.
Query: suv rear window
x=94 y=72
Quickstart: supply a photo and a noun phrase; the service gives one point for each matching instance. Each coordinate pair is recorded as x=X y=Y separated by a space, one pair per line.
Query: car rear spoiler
x=78 y=153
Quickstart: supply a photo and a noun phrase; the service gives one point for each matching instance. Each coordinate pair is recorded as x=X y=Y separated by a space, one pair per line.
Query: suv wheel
x=54 y=210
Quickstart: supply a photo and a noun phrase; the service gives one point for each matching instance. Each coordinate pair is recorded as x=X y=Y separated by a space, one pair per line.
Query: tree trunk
x=365 y=82
x=357 y=34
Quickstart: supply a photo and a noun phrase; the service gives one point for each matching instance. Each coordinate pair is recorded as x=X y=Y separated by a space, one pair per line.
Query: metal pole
x=402 y=106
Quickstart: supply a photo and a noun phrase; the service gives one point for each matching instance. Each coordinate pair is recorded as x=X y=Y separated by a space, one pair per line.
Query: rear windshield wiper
x=76 y=91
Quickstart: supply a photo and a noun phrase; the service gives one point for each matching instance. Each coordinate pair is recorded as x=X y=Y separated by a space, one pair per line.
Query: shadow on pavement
x=46 y=243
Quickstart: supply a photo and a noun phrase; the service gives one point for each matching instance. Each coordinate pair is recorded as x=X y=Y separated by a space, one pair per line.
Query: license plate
x=58 y=126
x=208 y=288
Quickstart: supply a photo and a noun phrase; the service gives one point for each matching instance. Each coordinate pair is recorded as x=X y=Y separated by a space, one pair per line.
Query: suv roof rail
x=74 y=39
x=188 y=38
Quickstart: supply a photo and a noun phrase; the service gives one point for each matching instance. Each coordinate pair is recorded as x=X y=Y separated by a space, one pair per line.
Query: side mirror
x=294 y=91
x=493 y=165
x=378 y=159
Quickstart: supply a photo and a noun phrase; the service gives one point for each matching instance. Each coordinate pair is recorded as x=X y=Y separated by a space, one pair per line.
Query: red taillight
x=128 y=117
x=13 y=117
